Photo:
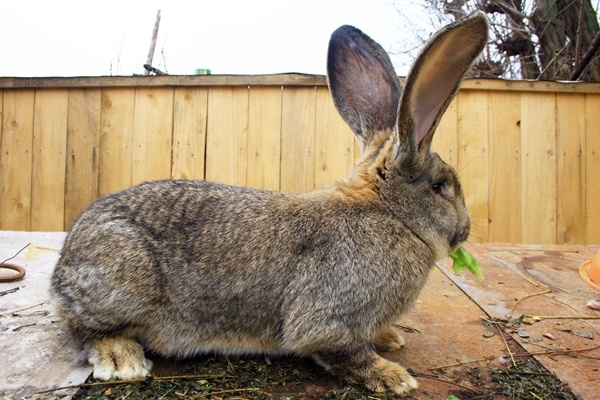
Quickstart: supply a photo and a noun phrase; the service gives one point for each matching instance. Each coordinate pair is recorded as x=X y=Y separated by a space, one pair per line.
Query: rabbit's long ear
x=364 y=86
x=432 y=83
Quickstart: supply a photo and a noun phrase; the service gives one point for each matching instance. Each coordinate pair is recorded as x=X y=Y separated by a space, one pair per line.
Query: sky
x=96 y=38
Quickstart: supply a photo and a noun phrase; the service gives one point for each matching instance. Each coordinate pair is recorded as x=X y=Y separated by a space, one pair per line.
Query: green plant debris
x=296 y=378
x=249 y=378
x=527 y=380
x=529 y=377
x=464 y=260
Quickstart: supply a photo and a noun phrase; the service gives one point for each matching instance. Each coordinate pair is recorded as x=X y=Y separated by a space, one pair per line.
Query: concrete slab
x=38 y=353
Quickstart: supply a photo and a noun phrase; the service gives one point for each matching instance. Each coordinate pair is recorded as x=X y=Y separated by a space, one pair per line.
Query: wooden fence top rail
x=291 y=79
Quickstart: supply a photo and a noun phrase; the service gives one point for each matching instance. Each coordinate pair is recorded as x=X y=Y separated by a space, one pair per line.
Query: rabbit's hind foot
x=121 y=358
x=370 y=370
x=388 y=339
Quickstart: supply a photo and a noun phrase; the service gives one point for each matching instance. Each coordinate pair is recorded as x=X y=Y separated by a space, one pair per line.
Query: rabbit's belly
x=189 y=344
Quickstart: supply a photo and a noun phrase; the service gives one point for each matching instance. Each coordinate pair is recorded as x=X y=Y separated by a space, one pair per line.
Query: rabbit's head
x=395 y=126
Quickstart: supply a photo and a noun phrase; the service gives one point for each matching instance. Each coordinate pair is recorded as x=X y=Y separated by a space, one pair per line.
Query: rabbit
x=181 y=267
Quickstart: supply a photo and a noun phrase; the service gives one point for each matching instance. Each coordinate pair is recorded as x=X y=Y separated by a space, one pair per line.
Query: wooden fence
x=528 y=153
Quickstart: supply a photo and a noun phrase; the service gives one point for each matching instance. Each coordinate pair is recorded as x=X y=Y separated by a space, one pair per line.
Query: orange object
x=590 y=271
x=12 y=278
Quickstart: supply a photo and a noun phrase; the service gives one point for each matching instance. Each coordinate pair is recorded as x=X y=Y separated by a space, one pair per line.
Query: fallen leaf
x=594 y=304
x=584 y=334
x=548 y=335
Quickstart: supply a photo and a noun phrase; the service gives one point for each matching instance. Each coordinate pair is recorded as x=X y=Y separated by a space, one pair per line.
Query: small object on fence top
x=202 y=71
x=153 y=42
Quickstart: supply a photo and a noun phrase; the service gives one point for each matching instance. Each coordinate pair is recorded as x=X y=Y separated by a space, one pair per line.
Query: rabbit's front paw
x=119 y=358
x=367 y=368
x=388 y=339
x=389 y=376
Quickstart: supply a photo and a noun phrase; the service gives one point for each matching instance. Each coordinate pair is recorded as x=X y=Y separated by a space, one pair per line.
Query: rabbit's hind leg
x=118 y=357
x=368 y=369
x=388 y=339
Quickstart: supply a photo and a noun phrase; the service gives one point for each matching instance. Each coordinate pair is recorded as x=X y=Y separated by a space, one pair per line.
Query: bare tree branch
x=531 y=39
x=587 y=57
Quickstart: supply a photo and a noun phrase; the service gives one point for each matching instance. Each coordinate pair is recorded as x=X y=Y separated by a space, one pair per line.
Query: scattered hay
x=294 y=378
x=531 y=380
x=221 y=378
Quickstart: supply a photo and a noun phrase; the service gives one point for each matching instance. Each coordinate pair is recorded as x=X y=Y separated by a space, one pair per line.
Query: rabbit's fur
x=186 y=267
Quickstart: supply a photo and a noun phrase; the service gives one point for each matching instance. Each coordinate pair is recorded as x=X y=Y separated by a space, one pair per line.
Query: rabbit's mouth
x=455 y=242
x=460 y=236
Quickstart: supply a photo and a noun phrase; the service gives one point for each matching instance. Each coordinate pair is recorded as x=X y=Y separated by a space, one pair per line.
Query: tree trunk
x=565 y=30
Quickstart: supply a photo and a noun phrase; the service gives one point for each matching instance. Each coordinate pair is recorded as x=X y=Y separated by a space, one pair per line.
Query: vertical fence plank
x=152 y=134
x=298 y=139
x=592 y=166
x=538 y=167
x=116 y=140
x=505 y=167
x=83 y=145
x=189 y=132
x=48 y=170
x=334 y=142
x=15 y=159
x=473 y=160
x=445 y=141
x=227 y=135
x=264 y=138
x=570 y=142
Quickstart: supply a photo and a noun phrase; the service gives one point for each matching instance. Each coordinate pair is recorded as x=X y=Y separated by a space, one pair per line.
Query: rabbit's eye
x=442 y=189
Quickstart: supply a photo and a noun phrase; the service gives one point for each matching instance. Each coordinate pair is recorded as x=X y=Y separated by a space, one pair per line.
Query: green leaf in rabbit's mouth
x=464 y=260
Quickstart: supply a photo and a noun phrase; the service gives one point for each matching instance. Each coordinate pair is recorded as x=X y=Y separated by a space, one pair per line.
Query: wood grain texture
x=505 y=178
x=227 y=135
x=16 y=142
x=445 y=141
x=592 y=168
x=570 y=169
x=189 y=133
x=473 y=159
x=83 y=146
x=116 y=140
x=334 y=142
x=538 y=191
x=152 y=134
x=49 y=160
x=264 y=138
x=298 y=139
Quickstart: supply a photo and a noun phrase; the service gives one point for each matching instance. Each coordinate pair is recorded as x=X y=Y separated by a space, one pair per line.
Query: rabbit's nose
x=464 y=232
x=461 y=234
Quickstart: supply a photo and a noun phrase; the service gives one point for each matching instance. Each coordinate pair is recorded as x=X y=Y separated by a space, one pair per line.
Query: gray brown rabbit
x=186 y=267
